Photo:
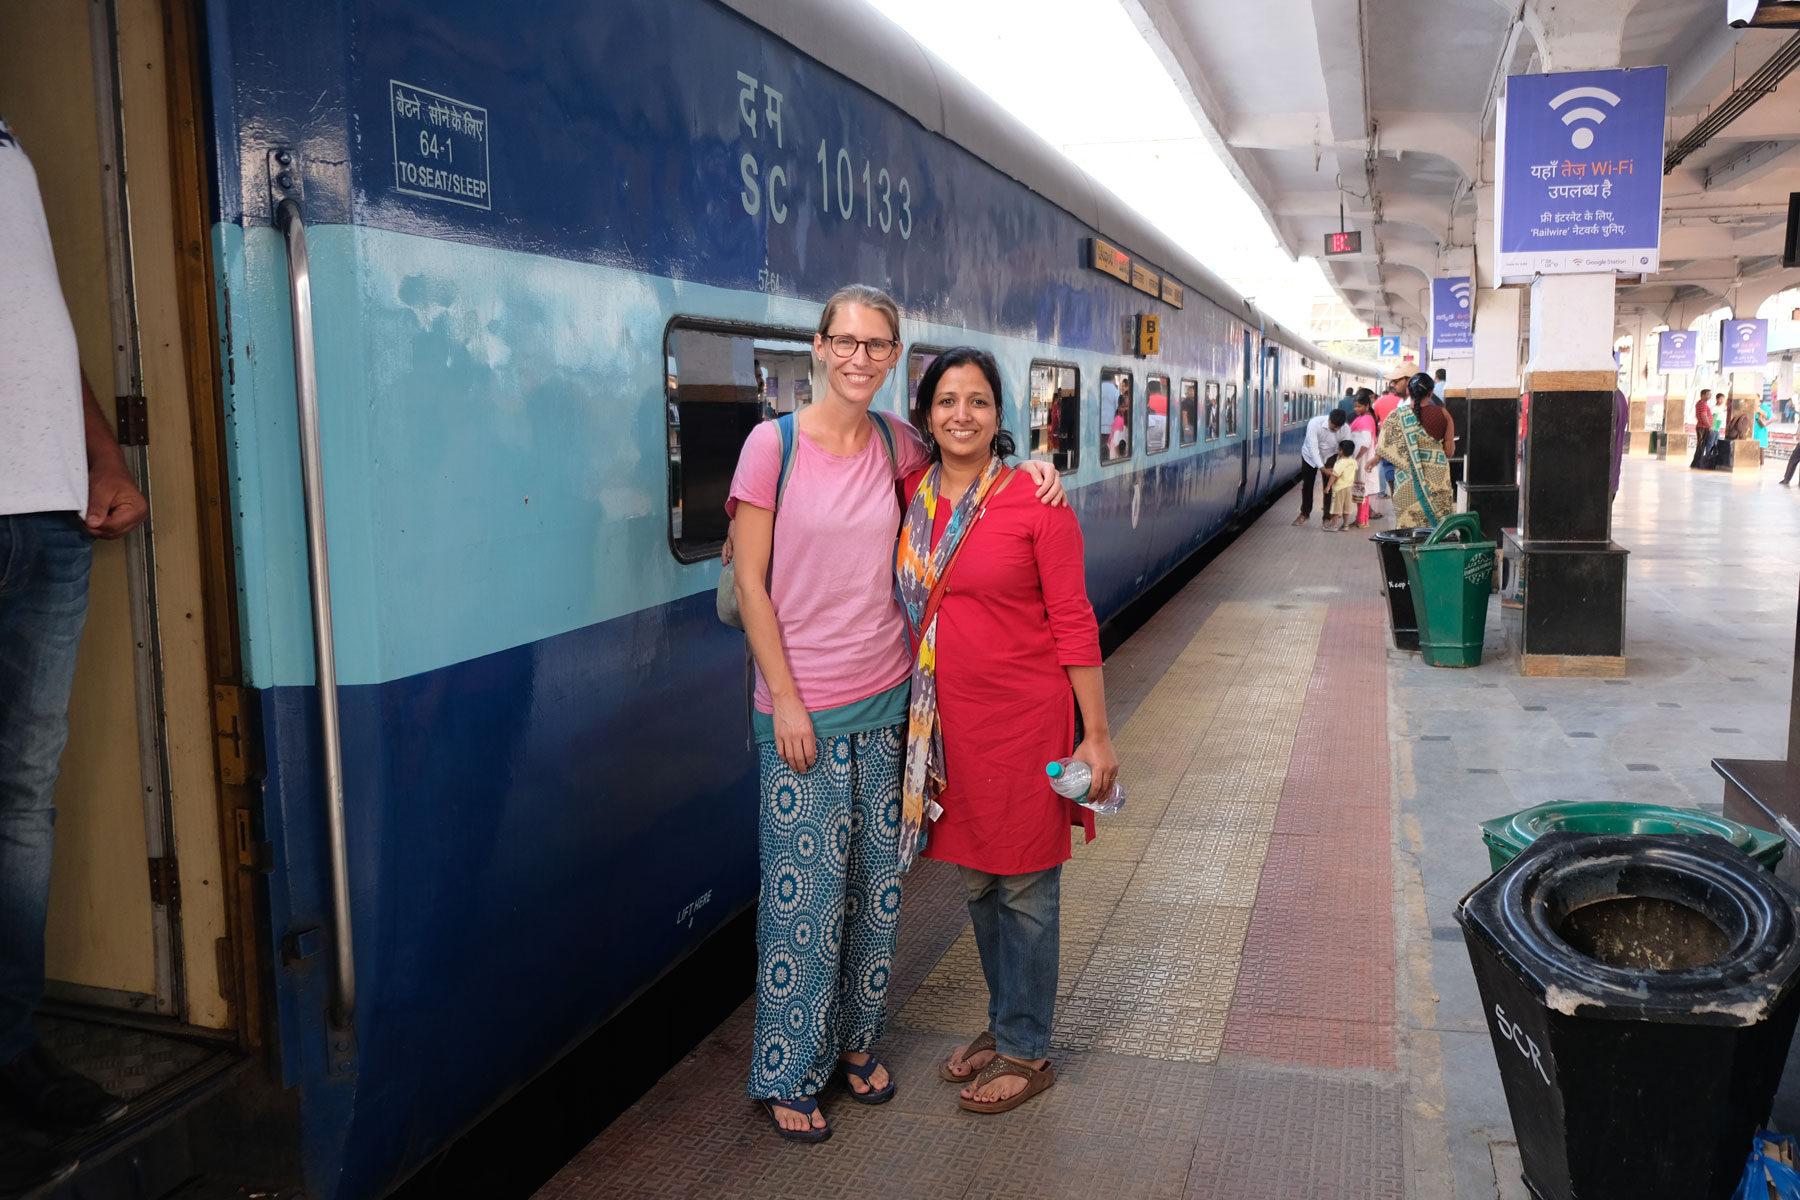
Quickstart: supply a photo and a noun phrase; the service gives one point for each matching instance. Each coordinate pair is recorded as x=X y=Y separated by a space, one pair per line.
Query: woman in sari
x=1419 y=440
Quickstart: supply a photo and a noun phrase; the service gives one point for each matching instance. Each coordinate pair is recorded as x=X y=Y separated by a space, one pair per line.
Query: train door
x=142 y=902
x=1249 y=396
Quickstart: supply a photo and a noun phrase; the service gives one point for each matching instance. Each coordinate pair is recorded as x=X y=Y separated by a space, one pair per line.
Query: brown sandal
x=1036 y=1080
x=977 y=1044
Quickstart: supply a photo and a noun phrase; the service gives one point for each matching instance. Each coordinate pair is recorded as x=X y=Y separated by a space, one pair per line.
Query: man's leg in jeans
x=43 y=601
x=1787 y=476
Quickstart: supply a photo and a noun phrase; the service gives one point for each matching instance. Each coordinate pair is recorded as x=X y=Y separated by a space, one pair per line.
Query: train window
x=721 y=383
x=1231 y=410
x=1212 y=410
x=1256 y=414
x=1287 y=409
x=1056 y=415
x=1116 y=414
x=1156 y=414
x=916 y=363
x=1190 y=412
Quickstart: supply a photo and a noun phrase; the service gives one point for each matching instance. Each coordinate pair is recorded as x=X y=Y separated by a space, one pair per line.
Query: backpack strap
x=785 y=427
x=886 y=433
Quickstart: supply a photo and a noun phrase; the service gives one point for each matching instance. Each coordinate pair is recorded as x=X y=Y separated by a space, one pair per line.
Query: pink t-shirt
x=832 y=579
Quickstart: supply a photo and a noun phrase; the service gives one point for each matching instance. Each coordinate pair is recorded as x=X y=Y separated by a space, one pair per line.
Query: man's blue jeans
x=1018 y=919
x=44 y=561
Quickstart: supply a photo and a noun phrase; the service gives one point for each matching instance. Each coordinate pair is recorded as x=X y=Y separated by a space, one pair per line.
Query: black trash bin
x=1402 y=621
x=1640 y=991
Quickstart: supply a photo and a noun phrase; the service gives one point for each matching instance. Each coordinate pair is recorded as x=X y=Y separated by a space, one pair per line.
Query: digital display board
x=1343 y=243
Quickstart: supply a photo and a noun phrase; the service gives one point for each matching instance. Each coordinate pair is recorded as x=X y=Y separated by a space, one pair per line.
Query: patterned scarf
x=917 y=570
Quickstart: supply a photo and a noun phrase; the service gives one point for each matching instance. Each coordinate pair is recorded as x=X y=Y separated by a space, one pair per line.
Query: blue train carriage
x=525 y=279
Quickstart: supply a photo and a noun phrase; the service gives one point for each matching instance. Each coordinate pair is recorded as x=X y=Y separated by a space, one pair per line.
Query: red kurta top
x=1014 y=614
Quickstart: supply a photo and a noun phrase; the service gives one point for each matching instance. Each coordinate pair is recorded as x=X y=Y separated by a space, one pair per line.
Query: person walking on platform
x=831 y=690
x=1316 y=450
x=1005 y=650
x=1347 y=405
x=1363 y=432
x=1705 y=436
x=63 y=483
x=1419 y=441
x=1393 y=398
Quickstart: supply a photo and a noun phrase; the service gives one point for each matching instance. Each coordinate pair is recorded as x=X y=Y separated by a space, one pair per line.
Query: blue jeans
x=1387 y=477
x=1018 y=921
x=43 y=601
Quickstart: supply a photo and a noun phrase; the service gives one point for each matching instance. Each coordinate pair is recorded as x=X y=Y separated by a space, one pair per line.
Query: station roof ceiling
x=1387 y=108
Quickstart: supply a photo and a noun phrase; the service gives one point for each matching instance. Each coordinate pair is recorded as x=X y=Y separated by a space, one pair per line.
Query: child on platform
x=1343 y=482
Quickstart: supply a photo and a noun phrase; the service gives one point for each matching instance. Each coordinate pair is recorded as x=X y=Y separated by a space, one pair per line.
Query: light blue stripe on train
x=511 y=405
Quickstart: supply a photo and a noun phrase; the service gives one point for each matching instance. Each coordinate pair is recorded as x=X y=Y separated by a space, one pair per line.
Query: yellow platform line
x=1155 y=910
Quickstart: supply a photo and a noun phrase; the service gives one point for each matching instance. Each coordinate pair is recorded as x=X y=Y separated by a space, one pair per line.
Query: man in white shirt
x=63 y=483
x=1323 y=433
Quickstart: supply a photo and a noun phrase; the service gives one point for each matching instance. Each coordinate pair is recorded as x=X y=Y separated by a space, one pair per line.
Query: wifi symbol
x=1583 y=137
x=1678 y=340
x=1746 y=333
x=1461 y=292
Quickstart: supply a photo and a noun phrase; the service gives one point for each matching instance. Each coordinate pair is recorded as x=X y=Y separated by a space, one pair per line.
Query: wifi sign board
x=1677 y=350
x=1743 y=345
x=1452 y=333
x=1580 y=173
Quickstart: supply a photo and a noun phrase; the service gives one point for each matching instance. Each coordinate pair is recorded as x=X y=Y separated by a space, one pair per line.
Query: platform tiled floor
x=1226 y=1020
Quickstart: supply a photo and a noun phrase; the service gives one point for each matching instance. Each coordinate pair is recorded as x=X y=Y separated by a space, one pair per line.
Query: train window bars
x=1116 y=414
x=722 y=382
x=1190 y=412
x=1231 y=409
x=1055 y=402
x=1156 y=414
x=1212 y=410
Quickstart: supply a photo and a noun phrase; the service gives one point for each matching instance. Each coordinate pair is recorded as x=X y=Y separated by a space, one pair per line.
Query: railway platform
x=1263 y=991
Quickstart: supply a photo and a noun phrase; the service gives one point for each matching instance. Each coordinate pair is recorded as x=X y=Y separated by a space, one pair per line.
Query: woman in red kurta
x=1005 y=649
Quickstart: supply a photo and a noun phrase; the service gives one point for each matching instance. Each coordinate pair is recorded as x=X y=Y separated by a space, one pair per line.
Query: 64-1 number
x=886 y=201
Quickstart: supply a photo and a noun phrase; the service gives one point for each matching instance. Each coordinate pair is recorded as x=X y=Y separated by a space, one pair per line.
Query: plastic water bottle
x=1072 y=778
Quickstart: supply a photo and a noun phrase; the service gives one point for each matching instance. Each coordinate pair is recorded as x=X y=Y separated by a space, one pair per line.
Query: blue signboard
x=1580 y=173
x=1390 y=345
x=1677 y=350
x=1452 y=332
x=1743 y=345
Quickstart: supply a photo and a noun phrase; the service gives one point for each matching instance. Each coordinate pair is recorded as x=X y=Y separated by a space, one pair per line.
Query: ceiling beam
x=1749 y=166
x=1339 y=32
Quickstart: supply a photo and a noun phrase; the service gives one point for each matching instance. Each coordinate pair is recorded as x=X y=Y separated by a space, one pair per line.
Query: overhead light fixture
x=1763 y=14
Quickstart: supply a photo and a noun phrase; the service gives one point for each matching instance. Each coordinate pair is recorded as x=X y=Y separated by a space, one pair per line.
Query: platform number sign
x=1390 y=345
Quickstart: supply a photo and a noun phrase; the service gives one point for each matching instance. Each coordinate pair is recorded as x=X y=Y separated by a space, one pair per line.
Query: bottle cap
x=1054 y=770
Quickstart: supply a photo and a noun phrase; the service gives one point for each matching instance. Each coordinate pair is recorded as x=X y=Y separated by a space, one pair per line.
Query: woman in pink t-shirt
x=815 y=586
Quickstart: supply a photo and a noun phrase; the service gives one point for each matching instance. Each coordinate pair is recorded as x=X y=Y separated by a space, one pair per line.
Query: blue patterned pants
x=829 y=909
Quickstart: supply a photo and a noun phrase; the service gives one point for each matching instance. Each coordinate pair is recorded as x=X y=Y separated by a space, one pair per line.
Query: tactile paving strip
x=1206 y=753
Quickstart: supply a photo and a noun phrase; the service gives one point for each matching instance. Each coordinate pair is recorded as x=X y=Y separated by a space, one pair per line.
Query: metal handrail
x=318 y=571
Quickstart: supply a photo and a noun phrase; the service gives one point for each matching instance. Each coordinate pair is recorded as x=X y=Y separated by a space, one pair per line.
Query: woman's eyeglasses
x=844 y=346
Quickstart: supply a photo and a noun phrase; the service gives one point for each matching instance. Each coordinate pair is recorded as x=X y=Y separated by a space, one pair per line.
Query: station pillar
x=1562 y=575
x=1490 y=432
x=1743 y=453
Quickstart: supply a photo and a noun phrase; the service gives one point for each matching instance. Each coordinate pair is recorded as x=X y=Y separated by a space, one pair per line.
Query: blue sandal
x=864 y=1072
x=805 y=1106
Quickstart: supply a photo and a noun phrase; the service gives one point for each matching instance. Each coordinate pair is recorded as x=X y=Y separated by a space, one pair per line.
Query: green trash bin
x=1507 y=836
x=1450 y=585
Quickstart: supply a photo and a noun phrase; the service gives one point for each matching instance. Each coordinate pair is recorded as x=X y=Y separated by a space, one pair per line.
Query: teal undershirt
x=859 y=716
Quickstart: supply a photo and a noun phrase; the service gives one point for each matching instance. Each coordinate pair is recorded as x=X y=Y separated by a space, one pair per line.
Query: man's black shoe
x=40 y=1091
x=26 y=1166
